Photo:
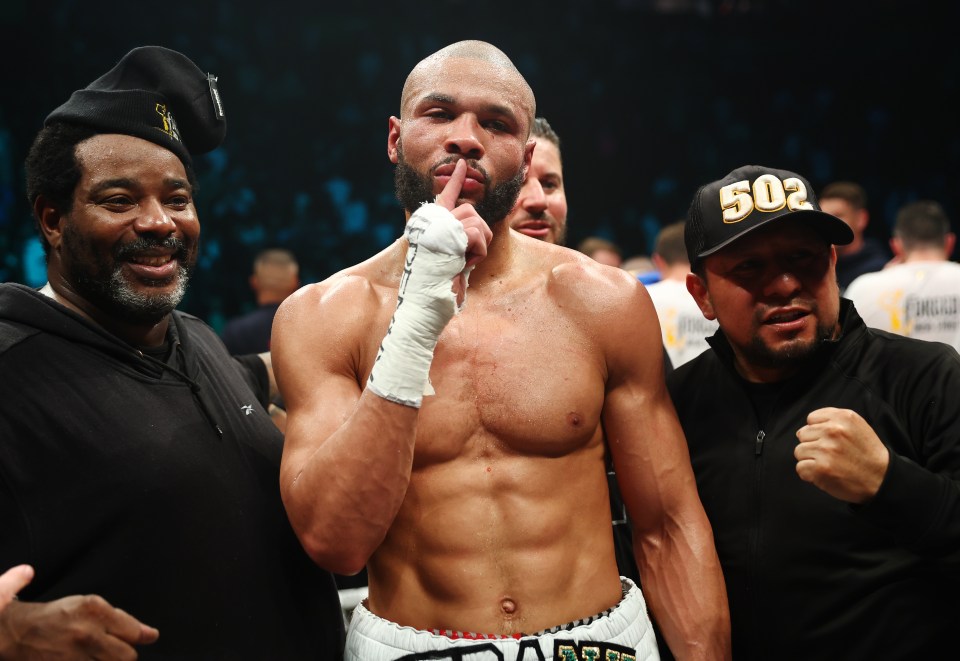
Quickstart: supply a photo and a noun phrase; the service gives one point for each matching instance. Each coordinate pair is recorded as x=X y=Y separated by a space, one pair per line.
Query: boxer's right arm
x=348 y=452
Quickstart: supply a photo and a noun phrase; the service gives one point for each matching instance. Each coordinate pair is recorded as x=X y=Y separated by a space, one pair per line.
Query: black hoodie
x=153 y=485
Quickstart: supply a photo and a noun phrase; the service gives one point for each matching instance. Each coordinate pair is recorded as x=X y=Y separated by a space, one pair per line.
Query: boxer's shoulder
x=580 y=279
x=353 y=294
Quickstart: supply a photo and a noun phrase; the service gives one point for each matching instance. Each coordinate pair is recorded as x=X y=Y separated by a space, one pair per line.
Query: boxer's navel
x=508 y=606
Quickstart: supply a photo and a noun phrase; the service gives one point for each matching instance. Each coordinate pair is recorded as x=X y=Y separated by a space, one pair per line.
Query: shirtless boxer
x=460 y=456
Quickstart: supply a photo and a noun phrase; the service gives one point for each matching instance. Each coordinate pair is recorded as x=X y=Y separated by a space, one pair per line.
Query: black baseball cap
x=156 y=94
x=750 y=197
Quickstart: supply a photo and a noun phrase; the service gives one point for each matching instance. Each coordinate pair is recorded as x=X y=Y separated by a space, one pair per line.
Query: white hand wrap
x=425 y=304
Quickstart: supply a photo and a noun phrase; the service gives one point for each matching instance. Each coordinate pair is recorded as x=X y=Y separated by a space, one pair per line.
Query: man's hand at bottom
x=78 y=627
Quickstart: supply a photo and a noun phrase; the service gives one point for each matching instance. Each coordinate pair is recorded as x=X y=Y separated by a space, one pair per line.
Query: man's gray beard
x=144 y=304
x=101 y=281
x=116 y=296
x=413 y=189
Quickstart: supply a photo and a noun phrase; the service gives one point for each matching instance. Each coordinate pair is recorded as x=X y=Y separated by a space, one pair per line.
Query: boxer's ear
x=393 y=139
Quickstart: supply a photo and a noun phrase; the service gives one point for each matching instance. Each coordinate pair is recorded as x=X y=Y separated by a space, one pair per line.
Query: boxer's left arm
x=673 y=540
x=839 y=453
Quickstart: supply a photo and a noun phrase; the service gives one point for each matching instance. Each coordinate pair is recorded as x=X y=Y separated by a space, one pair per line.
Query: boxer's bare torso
x=484 y=508
x=506 y=522
x=505 y=526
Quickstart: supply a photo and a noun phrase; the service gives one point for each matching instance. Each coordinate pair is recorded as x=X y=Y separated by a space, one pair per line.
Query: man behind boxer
x=541 y=207
x=462 y=458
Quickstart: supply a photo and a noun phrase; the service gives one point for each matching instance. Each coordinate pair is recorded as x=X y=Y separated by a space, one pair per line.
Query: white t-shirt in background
x=916 y=299
x=683 y=326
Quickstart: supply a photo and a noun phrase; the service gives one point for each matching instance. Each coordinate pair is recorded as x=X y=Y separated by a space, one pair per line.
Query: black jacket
x=810 y=576
x=115 y=481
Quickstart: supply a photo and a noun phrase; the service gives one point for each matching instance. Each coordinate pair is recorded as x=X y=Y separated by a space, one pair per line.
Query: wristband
x=425 y=304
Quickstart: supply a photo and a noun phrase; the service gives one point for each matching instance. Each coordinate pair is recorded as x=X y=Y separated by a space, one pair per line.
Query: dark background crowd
x=650 y=98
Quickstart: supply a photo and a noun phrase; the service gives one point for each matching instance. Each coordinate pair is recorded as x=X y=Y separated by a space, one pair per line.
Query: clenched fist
x=840 y=454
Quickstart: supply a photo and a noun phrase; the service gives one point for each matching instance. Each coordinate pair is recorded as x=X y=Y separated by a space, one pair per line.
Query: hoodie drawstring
x=195 y=387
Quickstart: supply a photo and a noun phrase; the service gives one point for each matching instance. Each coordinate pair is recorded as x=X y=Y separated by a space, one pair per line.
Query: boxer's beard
x=413 y=189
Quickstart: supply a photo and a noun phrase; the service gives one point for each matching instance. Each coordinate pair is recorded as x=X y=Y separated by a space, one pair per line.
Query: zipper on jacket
x=758 y=444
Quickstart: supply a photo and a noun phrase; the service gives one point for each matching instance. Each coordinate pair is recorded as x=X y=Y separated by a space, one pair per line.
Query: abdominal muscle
x=496 y=542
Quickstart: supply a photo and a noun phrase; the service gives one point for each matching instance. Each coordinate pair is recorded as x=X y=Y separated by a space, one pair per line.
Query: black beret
x=156 y=94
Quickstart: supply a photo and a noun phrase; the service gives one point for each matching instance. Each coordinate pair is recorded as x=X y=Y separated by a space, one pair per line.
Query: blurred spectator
x=920 y=295
x=541 y=208
x=642 y=268
x=601 y=250
x=276 y=275
x=683 y=326
x=848 y=201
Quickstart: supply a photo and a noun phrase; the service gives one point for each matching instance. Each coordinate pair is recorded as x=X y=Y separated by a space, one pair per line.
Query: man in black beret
x=138 y=468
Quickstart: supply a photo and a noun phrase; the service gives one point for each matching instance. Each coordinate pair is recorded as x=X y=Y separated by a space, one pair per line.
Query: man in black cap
x=827 y=454
x=137 y=463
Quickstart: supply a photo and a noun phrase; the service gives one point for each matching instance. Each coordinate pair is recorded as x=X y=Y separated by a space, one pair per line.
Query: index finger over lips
x=451 y=192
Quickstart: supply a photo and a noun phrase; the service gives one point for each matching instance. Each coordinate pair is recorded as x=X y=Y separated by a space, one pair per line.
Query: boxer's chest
x=520 y=372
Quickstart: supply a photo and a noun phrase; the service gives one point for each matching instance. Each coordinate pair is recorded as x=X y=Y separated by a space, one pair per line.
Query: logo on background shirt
x=931 y=314
x=892 y=303
x=247 y=409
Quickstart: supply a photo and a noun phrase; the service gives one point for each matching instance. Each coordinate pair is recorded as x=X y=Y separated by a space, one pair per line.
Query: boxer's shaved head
x=481 y=51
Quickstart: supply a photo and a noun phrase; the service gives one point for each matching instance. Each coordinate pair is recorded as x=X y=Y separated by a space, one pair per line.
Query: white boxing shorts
x=623 y=633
